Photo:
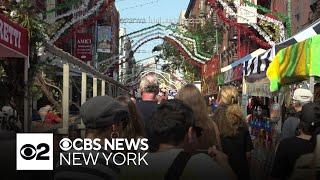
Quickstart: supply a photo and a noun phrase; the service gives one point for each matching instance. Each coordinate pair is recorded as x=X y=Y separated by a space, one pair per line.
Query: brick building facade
x=302 y=13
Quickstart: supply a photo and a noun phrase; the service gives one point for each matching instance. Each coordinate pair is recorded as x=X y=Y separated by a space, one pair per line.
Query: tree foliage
x=177 y=63
x=207 y=35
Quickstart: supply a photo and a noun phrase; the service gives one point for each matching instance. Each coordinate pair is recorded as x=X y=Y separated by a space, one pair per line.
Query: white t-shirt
x=200 y=166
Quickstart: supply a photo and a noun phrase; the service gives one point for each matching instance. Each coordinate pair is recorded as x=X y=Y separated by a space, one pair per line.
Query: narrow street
x=208 y=89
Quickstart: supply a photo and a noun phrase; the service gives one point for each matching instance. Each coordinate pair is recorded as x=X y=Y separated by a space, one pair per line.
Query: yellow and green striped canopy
x=296 y=62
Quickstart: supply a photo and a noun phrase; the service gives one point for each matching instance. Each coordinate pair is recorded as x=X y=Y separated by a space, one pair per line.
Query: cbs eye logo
x=28 y=151
x=34 y=151
x=65 y=144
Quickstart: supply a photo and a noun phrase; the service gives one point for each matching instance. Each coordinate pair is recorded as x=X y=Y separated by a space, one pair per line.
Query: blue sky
x=163 y=9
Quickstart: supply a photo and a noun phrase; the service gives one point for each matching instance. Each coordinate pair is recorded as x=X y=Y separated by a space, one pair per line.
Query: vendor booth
x=289 y=64
x=14 y=46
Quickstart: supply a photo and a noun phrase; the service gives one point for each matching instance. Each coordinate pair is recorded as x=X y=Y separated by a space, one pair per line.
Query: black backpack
x=176 y=169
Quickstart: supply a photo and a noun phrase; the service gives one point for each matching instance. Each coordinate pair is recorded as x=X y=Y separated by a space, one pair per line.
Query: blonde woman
x=235 y=138
x=192 y=97
x=228 y=95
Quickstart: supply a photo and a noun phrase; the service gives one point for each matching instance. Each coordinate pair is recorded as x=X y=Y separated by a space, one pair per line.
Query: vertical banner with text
x=104 y=39
x=83 y=49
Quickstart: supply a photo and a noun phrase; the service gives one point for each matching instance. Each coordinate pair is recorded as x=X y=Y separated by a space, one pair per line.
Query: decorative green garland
x=265 y=26
x=188 y=34
x=175 y=29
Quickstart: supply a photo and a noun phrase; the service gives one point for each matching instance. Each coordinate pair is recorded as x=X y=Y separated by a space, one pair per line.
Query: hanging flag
x=298 y=61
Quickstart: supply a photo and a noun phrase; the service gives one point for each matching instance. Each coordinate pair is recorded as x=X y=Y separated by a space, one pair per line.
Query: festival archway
x=161 y=75
x=159 y=32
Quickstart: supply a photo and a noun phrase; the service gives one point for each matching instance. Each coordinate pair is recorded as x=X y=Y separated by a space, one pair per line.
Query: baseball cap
x=311 y=114
x=302 y=95
x=102 y=111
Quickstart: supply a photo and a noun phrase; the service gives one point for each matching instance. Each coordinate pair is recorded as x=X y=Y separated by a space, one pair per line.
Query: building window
x=297 y=16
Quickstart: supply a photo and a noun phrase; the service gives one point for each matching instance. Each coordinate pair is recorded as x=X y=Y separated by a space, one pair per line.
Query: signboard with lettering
x=246 y=14
x=104 y=39
x=83 y=49
x=13 y=37
x=259 y=88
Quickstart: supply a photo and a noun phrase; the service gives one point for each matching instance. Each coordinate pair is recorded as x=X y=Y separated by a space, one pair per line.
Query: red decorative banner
x=211 y=68
x=244 y=28
x=13 y=37
x=83 y=49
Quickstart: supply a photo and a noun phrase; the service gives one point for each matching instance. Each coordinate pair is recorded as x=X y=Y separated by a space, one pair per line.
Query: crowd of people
x=186 y=143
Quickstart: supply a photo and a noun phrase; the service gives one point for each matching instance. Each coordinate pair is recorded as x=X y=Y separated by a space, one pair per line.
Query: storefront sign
x=13 y=36
x=83 y=48
x=258 y=89
x=104 y=39
x=246 y=14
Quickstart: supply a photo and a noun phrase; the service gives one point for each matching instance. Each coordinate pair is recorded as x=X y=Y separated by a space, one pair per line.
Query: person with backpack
x=173 y=125
x=290 y=149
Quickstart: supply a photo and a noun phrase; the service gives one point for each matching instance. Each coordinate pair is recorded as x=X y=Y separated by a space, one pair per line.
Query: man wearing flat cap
x=104 y=118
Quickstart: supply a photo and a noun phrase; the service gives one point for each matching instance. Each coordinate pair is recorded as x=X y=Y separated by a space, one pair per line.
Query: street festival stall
x=296 y=63
x=233 y=72
x=14 y=48
x=256 y=102
x=263 y=112
x=291 y=72
x=290 y=65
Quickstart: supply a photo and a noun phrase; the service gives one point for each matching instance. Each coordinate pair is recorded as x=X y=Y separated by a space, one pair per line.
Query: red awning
x=13 y=39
